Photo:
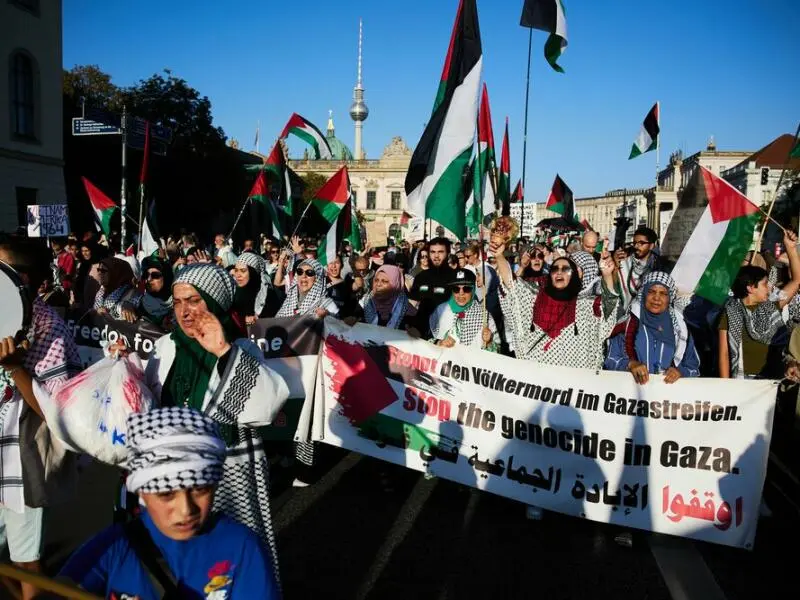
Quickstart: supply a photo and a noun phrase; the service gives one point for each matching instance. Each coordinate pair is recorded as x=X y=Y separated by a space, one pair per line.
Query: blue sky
x=719 y=67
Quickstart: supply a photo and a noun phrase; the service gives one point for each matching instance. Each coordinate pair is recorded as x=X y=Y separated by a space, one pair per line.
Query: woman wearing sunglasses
x=552 y=322
x=156 y=305
x=532 y=265
x=461 y=319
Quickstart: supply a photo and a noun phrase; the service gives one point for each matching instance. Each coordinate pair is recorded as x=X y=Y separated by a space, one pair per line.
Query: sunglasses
x=423 y=256
x=462 y=289
x=274 y=251
x=307 y=272
x=538 y=255
x=566 y=270
x=154 y=275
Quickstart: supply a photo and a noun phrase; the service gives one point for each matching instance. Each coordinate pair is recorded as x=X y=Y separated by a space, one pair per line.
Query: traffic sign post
x=81 y=126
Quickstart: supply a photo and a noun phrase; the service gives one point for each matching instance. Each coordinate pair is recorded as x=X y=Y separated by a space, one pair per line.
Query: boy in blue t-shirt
x=175 y=461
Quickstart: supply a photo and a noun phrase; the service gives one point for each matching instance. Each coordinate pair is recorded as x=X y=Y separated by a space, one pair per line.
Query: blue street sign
x=157 y=132
x=89 y=127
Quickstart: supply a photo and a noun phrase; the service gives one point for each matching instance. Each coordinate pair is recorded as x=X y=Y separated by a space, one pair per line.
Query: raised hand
x=209 y=334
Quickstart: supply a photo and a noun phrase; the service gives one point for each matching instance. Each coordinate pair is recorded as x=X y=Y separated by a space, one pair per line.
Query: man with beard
x=431 y=287
x=633 y=268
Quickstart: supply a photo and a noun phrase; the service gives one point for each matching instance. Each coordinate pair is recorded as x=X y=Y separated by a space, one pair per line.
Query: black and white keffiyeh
x=679 y=328
x=465 y=327
x=314 y=298
x=210 y=279
x=174 y=448
x=590 y=273
x=255 y=262
x=765 y=325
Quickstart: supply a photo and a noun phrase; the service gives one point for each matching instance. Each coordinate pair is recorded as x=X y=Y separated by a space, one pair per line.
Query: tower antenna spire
x=358 y=110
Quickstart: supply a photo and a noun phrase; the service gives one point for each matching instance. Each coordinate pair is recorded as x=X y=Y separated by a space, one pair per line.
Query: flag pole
x=775 y=193
x=525 y=134
x=478 y=199
x=236 y=222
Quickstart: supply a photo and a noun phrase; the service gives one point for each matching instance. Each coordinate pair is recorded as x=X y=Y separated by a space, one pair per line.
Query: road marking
x=300 y=503
x=685 y=573
x=402 y=525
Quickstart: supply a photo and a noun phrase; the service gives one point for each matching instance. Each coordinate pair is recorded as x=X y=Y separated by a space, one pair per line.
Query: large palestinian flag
x=481 y=201
x=548 y=15
x=560 y=200
x=335 y=203
x=648 y=136
x=260 y=196
x=720 y=238
x=434 y=185
x=310 y=134
x=102 y=205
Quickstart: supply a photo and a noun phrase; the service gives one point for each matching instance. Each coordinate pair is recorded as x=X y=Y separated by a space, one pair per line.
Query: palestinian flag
x=149 y=243
x=795 y=153
x=504 y=176
x=548 y=15
x=434 y=185
x=560 y=200
x=334 y=202
x=519 y=194
x=260 y=198
x=481 y=201
x=648 y=136
x=102 y=205
x=279 y=175
x=310 y=134
x=720 y=238
x=142 y=182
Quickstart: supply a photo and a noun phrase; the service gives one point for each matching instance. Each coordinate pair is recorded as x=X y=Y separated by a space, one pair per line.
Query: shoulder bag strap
x=153 y=561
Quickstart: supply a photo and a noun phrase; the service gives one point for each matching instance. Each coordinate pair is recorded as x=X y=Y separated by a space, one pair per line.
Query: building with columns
x=31 y=134
x=662 y=200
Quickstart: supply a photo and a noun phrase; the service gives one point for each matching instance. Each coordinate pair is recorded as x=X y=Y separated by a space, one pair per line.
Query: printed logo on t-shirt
x=220 y=581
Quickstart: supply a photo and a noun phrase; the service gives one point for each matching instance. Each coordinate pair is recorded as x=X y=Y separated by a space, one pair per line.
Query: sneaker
x=299 y=483
x=534 y=513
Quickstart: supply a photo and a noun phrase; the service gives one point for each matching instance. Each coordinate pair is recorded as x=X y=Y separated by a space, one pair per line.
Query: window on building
x=371 y=200
x=25 y=196
x=395 y=200
x=355 y=197
x=22 y=95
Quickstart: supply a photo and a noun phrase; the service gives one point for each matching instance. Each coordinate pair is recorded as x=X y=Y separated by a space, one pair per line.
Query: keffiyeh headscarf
x=669 y=327
x=173 y=449
x=391 y=307
x=187 y=381
x=257 y=266
x=295 y=304
x=591 y=272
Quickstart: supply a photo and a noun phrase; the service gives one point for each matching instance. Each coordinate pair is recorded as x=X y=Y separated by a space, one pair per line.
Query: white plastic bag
x=89 y=412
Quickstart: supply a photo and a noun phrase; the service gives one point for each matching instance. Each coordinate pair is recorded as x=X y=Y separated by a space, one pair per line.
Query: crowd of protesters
x=576 y=304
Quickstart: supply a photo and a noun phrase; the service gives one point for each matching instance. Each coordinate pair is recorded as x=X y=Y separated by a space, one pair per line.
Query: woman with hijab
x=307 y=296
x=653 y=338
x=156 y=304
x=387 y=304
x=117 y=296
x=423 y=263
x=551 y=323
x=307 y=293
x=460 y=320
x=255 y=297
x=208 y=364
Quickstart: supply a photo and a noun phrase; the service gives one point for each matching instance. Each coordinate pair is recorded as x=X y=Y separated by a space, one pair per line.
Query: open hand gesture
x=209 y=334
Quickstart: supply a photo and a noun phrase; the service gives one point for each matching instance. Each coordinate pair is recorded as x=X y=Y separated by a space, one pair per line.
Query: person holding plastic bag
x=35 y=470
x=208 y=364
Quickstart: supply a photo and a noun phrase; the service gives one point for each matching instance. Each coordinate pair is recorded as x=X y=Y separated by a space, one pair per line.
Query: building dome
x=338 y=148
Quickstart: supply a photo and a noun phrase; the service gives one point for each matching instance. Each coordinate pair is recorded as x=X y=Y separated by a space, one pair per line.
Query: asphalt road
x=368 y=529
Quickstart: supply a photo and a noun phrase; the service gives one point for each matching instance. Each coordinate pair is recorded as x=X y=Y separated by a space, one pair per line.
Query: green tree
x=313 y=182
x=89 y=83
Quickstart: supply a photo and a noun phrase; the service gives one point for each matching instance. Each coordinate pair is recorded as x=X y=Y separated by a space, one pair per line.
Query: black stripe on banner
x=288 y=336
x=651 y=123
x=539 y=14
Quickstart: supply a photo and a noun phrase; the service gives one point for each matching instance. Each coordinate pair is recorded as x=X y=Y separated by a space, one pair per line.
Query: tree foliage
x=162 y=99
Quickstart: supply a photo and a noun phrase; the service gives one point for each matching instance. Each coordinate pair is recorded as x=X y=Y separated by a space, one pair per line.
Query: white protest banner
x=686 y=459
x=376 y=233
x=91 y=329
x=47 y=220
x=416 y=229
